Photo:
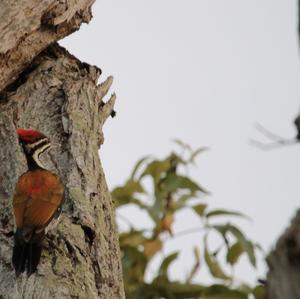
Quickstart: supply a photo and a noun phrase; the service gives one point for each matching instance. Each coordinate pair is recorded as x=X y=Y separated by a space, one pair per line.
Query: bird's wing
x=38 y=196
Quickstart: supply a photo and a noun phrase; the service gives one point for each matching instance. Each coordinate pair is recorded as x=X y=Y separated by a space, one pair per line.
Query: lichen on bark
x=27 y=27
x=61 y=97
x=284 y=264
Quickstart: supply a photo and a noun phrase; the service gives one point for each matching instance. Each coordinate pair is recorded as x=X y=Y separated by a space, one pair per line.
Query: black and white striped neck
x=33 y=152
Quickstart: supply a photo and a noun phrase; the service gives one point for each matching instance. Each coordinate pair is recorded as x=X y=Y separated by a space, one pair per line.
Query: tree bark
x=28 y=26
x=58 y=95
x=284 y=265
x=284 y=261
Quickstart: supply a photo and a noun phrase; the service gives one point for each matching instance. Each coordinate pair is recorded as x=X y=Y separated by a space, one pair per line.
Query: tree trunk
x=28 y=26
x=284 y=261
x=284 y=265
x=58 y=95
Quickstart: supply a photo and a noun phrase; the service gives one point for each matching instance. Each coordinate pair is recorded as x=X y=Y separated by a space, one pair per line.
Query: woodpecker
x=37 y=201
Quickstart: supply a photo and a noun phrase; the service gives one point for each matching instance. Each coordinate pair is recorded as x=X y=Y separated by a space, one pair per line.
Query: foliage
x=171 y=191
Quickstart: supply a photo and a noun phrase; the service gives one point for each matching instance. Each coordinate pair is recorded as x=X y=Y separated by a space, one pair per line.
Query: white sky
x=203 y=71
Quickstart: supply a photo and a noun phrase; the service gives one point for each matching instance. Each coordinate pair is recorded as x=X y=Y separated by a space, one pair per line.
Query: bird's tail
x=27 y=254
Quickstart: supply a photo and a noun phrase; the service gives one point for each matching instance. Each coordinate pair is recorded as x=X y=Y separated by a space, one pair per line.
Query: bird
x=37 y=202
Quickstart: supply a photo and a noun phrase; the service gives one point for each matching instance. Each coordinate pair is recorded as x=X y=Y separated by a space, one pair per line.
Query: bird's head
x=33 y=142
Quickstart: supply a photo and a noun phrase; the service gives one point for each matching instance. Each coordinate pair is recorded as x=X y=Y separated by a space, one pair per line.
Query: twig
x=271 y=135
x=273 y=145
x=186 y=232
x=277 y=141
x=196 y=266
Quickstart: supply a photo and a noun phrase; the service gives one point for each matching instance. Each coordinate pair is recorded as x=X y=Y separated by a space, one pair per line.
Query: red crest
x=29 y=135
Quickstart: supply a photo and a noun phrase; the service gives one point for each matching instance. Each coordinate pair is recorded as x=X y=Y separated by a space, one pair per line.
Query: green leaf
x=161 y=288
x=134 y=264
x=245 y=288
x=223 y=292
x=163 y=269
x=125 y=194
x=245 y=244
x=172 y=191
x=221 y=212
x=213 y=265
x=200 y=209
x=157 y=209
x=197 y=254
x=173 y=182
x=234 y=252
x=182 y=201
x=196 y=153
x=132 y=238
x=259 y=292
x=137 y=167
x=182 y=144
x=156 y=168
x=196 y=266
x=221 y=228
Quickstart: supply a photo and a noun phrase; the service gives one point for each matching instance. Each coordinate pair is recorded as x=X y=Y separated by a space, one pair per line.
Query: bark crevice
x=29 y=27
x=61 y=97
x=284 y=264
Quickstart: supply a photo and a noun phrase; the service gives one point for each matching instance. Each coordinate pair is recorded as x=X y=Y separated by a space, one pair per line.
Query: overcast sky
x=203 y=71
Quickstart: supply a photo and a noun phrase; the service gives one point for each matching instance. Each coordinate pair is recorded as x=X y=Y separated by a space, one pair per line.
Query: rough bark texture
x=59 y=96
x=284 y=265
x=284 y=261
x=28 y=26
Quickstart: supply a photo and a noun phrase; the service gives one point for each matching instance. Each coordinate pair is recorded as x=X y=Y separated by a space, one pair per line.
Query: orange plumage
x=38 y=195
x=37 y=201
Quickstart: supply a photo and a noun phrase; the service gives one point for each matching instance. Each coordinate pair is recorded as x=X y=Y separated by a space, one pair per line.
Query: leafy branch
x=171 y=190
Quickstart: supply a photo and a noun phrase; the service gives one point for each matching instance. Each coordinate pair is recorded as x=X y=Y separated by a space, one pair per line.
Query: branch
x=186 y=232
x=276 y=141
x=27 y=27
x=284 y=265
